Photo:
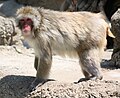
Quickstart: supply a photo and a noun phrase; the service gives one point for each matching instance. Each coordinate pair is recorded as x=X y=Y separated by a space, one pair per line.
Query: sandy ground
x=17 y=70
x=63 y=69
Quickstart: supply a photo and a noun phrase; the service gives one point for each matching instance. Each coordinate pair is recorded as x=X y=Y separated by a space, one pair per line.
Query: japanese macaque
x=81 y=34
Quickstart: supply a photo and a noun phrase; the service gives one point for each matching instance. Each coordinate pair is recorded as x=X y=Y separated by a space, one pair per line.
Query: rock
x=115 y=23
x=7 y=31
x=9 y=8
x=17 y=87
x=49 y=4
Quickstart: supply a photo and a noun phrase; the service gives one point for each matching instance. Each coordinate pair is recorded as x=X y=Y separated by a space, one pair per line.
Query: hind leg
x=90 y=64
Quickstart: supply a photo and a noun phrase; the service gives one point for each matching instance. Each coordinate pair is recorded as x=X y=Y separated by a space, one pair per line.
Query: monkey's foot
x=81 y=80
x=96 y=78
x=90 y=78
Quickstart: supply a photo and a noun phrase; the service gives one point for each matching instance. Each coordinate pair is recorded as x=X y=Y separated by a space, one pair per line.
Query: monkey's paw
x=93 y=78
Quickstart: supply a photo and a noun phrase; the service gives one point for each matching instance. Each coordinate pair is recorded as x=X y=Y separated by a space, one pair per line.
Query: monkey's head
x=28 y=20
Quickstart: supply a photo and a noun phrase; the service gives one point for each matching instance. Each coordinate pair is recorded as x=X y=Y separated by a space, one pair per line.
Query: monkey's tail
x=109 y=33
x=103 y=16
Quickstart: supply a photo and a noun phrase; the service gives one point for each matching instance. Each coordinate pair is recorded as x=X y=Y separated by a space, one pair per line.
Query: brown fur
x=81 y=34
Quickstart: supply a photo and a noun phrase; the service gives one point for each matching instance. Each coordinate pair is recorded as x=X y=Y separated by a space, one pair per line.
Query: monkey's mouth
x=26 y=31
x=26 y=28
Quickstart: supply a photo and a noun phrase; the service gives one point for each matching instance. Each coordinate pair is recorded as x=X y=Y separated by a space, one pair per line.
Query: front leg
x=44 y=62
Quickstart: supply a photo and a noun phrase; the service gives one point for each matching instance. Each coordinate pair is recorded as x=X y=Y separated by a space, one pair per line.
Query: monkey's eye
x=22 y=21
x=29 y=21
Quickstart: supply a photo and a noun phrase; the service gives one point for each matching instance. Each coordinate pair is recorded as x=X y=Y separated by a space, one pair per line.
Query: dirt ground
x=17 y=72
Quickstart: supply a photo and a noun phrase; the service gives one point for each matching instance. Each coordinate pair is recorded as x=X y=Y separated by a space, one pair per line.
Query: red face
x=26 y=25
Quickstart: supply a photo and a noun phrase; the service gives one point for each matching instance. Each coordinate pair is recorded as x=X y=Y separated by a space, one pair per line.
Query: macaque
x=81 y=34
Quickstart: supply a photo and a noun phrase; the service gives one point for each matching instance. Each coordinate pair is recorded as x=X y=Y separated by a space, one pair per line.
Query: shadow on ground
x=15 y=86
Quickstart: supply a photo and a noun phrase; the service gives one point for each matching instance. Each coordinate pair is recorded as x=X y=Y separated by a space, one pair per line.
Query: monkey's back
x=68 y=29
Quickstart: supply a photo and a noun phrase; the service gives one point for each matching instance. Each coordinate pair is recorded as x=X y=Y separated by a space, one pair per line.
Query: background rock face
x=115 y=22
x=7 y=31
x=9 y=8
x=49 y=4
